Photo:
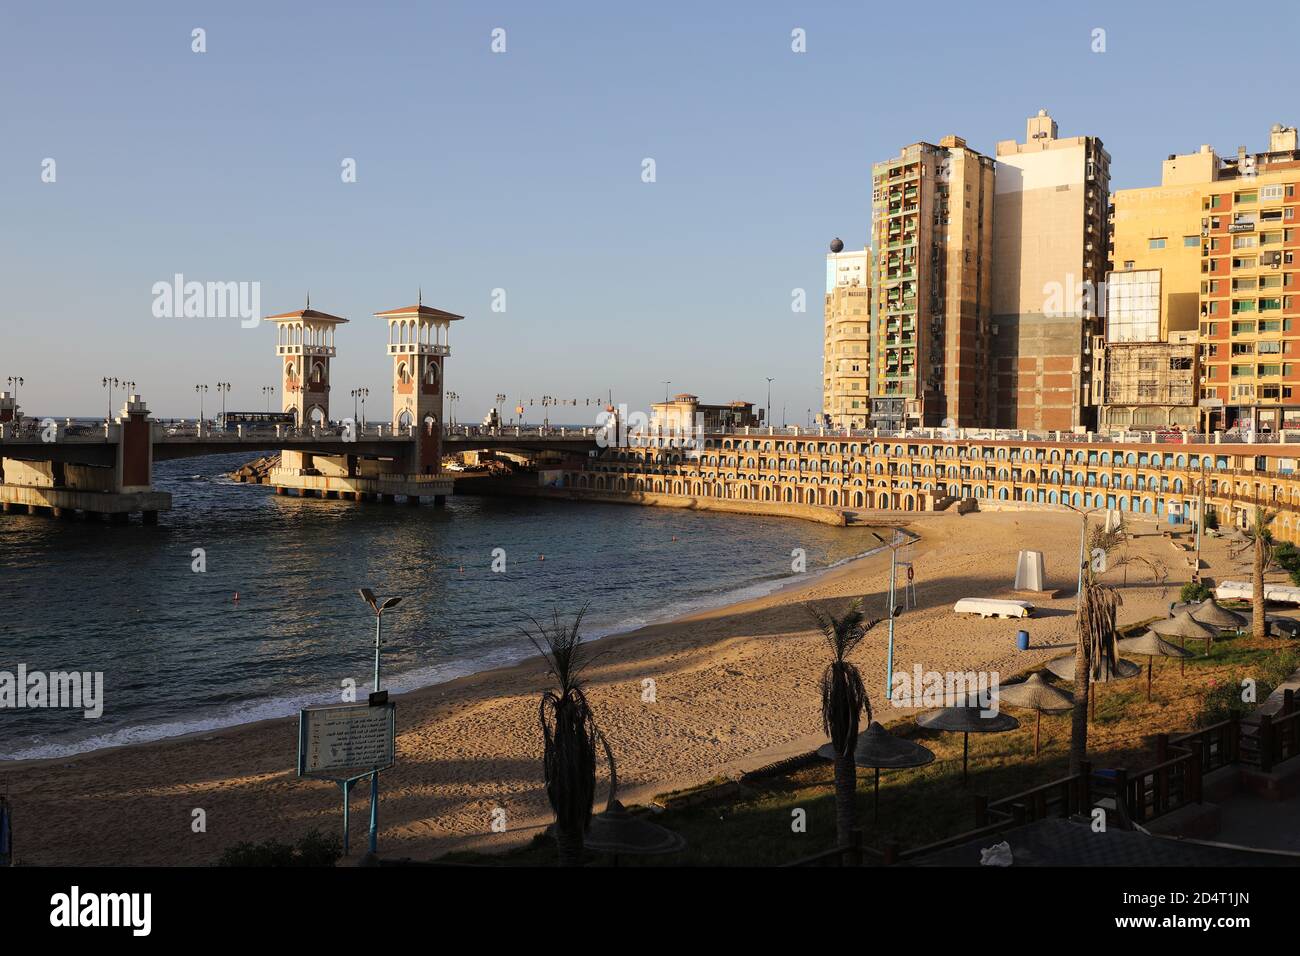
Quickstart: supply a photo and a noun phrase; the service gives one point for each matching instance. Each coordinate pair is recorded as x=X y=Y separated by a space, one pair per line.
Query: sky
x=524 y=171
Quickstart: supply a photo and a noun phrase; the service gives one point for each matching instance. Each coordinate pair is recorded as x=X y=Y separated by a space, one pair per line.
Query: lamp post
x=267 y=392
x=14 y=382
x=358 y=393
x=666 y=384
x=769 y=401
x=894 y=544
x=453 y=397
x=110 y=384
x=201 y=390
x=379 y=608
x=224 y=389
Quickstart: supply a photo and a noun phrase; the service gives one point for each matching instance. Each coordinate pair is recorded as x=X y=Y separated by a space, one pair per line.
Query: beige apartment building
x=1050 y=246
x=1181 y=261
x=846 y=350
x=931 y=360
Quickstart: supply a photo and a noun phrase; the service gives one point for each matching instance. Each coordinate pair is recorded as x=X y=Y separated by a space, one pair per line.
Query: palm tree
x=569 y=734
x=1094 y=649
x=1259 y=541
x=844 y=698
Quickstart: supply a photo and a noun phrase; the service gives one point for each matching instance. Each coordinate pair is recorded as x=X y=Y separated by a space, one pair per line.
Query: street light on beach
x=379 y=607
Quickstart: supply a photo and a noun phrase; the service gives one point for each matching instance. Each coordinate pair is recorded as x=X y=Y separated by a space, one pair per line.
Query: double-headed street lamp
x=379 y=607
x=14 y=382
x=453 y=397
x=110 y=384
x=224 y=389
x=267 y=392
x=358 y=393
x=201 y=390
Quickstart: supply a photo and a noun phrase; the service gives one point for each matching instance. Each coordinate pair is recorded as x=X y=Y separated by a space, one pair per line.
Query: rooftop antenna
x=309 y=299
x=420 y=301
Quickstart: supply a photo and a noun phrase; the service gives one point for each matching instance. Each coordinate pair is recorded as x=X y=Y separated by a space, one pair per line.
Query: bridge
x=65 y=467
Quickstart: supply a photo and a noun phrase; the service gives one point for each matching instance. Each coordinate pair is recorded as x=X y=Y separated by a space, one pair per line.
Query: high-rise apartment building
x=932 y=235
x=1049 y=262
x=846 y=356
x=1249 y=301
x=1215 y=233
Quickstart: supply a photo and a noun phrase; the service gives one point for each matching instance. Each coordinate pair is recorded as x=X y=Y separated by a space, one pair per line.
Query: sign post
x=337 y=740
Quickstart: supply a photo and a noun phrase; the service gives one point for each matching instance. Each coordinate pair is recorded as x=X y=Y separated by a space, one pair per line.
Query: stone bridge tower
x=305 y=346
x=417 y=341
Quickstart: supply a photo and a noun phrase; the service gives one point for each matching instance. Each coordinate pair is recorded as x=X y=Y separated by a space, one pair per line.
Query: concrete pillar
x=59 y=512
x=278 y=489
x=358 y=496
x=5 y=507
x=149 y=517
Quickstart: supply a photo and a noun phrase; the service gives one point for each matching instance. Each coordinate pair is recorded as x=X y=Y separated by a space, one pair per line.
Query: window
x=1191 y=241
x=1271 y=192
x=1155 y=243
x=1246 y=197
x=1130 y=263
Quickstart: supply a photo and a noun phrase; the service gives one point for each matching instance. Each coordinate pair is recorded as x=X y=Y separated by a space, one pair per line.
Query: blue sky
x=522 y=171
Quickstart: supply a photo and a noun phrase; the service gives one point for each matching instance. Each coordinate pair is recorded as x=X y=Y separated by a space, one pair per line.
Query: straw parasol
x=1037 y=695
x=879 y=749
x=1063 y=667
x=618 y=832
x=966 y=720
x=1212 y=613
x=1185 y=625
x=1151 y=645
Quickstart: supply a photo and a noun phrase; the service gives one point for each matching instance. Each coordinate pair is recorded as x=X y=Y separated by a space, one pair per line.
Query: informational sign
x=345 y=737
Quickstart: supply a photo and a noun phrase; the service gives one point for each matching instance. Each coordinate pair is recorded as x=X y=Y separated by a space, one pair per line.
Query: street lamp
x=201 y=390
x=267 y=392
x=379 y=608
x=769 y=400
x=358 y=393
x=224 y=389
x=453 y=397
x=110 y=384
x=14 y=382
x=666 y=384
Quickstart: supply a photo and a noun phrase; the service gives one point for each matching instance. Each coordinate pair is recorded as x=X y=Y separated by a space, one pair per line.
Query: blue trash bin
x=1022 y=640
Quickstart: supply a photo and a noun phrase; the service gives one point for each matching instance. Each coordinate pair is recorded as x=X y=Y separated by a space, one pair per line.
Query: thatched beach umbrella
x=618 y=832
x=1039 y=696
x=1151 y=645
x=879 y=749
x=967 y=720
x=1212 y=613
x=1063 y=667
x=1188 y=625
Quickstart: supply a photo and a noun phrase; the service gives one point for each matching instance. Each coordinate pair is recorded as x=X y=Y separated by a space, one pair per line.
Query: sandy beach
x=735 y=688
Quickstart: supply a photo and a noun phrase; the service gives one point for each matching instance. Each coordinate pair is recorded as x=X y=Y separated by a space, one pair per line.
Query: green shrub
x=1195 y=591
x=1287 y=557
x=1223 y=700
x=314 y=849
